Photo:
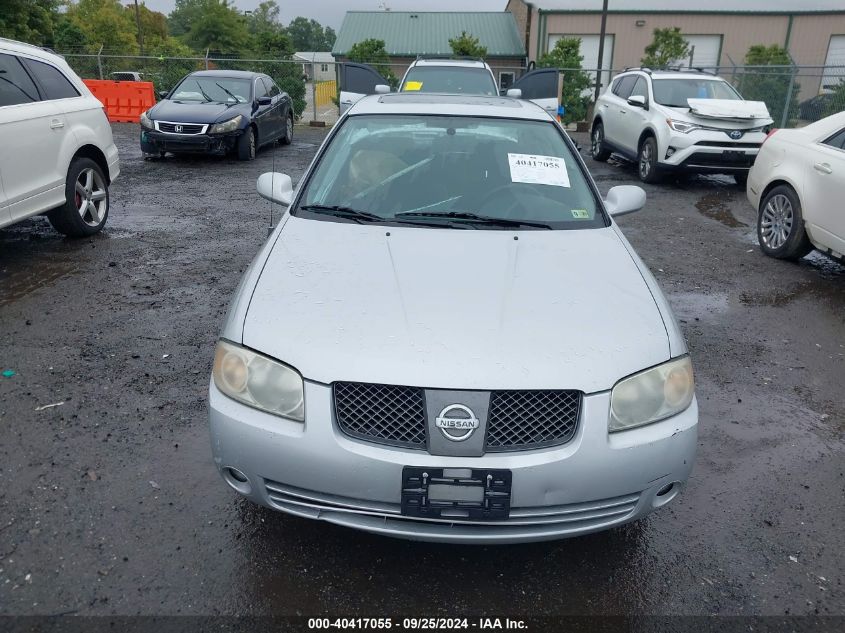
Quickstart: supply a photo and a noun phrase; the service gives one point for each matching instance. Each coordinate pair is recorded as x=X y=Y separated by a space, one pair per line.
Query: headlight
x=227 y=126
x=146 y=121
x=652 y=395
x=681 y=126
x=258 y=381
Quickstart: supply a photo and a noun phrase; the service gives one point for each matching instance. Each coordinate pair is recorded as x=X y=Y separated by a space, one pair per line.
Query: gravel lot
x=110 y=504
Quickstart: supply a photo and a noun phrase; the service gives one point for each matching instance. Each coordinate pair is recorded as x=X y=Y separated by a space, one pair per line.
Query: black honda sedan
x=218 y=112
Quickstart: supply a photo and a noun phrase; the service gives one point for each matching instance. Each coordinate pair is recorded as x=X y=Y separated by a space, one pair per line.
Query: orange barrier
x=124 y=100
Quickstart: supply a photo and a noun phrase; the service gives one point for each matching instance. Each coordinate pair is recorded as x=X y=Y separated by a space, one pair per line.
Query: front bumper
x=594 y=482
x=153 y=142
x=709 y=151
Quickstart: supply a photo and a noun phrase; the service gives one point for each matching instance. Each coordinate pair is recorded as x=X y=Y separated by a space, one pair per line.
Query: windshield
x=212 y=89
x=417 y=169
x=450 y=80
x=675 y=92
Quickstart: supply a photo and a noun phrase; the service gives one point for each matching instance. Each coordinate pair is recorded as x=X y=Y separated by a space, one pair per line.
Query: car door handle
x=623 y=112
x=823 y=168
x=55 y=124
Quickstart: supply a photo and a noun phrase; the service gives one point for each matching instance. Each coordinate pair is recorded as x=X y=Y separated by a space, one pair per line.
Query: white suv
x=57 y=156
x=669 y=120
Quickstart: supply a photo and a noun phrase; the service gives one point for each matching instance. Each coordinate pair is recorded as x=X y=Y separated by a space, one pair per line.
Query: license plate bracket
x=474 y=494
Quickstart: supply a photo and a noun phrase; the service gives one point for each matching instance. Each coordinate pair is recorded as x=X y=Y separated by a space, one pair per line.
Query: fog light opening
x=667 y=493
x=237 y=480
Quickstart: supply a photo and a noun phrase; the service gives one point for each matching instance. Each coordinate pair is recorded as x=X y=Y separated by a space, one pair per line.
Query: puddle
x=714 y=207
x=697 y=306
x=824 y=293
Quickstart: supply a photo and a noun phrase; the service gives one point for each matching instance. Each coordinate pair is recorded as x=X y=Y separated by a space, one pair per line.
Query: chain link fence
x=794 y=95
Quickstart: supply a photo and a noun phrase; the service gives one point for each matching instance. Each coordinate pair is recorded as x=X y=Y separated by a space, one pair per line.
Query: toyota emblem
x=736 y=134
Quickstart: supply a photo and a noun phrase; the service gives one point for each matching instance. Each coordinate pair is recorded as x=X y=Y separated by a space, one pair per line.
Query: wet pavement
x=110 y=504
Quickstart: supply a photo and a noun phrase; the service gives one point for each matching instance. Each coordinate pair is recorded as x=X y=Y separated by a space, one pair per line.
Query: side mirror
x=637 y=101
x=162 y=94
x=514 y=93
x=265 y=101
x=624 y=199
x=276 y=187
x=382 y=89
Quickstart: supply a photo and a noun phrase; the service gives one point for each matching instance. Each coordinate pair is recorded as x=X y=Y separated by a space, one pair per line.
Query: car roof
x=232 y=74
x=428 y=103
x=15 y=46
x=672 y=74
x=461 y=63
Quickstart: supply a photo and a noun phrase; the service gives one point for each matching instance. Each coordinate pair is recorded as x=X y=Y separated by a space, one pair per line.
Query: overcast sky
x=331 y=12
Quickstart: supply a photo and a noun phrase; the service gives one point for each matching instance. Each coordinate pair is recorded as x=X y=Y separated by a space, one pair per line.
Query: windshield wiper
x=344 y=212
x=472 y=217
x=204 y=96
x=226 y=91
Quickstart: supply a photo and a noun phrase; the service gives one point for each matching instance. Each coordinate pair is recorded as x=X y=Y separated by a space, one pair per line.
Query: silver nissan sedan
x=448 y=338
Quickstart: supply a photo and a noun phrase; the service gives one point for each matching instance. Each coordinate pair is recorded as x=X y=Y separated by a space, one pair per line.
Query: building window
x=505 y=80
x=324 y=68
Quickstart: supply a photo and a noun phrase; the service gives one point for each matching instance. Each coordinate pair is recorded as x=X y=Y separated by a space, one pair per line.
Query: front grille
x=703 y=159
x=187 y=128
x=737 y=144
x=520 y=420
x=387 y=414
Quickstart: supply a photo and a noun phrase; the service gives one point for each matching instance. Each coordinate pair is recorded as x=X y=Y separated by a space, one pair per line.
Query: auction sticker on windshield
x=538 y=170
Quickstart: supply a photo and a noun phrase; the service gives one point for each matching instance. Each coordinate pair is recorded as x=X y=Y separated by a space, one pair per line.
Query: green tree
x=372 y=51
x=216 y=25
x=29 y=21
x=770 y=85
x=667 y=46
x=153 y=25
x=105 y=23
x=309 y=35
x=467 y=46
x=575 y=96
x=268 y=34
x=69 y=37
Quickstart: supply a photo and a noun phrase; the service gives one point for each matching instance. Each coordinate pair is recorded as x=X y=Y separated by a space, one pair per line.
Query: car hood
x=458 y=309
x=193 y=112
x=728 y=113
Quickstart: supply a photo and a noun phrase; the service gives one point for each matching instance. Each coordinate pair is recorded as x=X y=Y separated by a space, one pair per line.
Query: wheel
x=647 y=160
x=597 y=149
x=287 y=137
x=741 y=179
x=780 y=225
x=87 y=200
x=247 y=144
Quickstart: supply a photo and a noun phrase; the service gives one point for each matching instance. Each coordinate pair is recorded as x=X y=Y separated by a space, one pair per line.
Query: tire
x=597 y=149
x=741 y=179
x=247 y=144
x=780 y=225
x=647 y=160
x=87 y=200
x=287 y=137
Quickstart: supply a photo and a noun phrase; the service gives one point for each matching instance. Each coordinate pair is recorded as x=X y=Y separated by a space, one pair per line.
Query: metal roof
x=411 y=33
x=712 y=6
x=311 y=56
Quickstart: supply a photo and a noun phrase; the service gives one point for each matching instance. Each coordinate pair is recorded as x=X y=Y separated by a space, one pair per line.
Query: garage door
x=835 y=62
x=590 y=53
x=704 y=50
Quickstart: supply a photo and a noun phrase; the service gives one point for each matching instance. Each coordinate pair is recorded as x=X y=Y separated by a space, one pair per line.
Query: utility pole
x=601 y=49
x=140 y=32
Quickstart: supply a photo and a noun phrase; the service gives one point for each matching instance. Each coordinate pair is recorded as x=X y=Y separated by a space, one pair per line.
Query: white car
x=446 y=75
x=448 y=338
x=58 y=156
x=797 y=186
x=678 y=121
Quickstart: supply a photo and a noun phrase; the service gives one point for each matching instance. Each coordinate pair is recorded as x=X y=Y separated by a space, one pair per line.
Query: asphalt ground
x=110 y=503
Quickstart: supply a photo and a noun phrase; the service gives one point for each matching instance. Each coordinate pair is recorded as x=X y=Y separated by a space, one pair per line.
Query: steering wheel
x=516 y=211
